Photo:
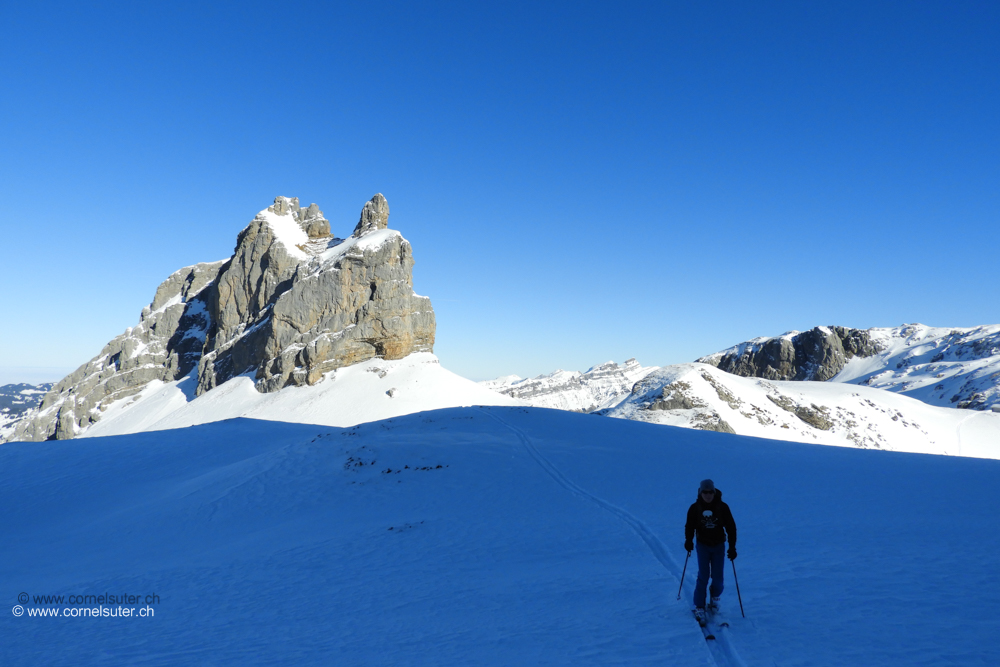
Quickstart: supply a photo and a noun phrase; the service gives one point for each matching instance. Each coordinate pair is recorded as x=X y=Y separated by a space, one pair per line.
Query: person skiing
x=711 y=521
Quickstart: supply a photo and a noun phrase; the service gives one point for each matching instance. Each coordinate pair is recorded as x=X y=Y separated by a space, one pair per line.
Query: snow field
x=545 y=537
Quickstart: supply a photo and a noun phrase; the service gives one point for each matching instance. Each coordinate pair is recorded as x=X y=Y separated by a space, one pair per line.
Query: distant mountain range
x=888 y=388
x=300 y=325
x=596 y=388
x=16 y=400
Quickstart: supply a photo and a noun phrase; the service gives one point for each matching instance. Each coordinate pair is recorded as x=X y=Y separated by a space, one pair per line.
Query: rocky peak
x=292 y=304
x=817 y=354
x=374 y=216
x=310 y=219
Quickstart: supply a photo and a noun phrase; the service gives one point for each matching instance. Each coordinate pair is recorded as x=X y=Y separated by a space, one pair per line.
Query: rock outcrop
x=165 y=345
x=817 y=354
x=289 y=310
x=948 y=367
x=293 y=303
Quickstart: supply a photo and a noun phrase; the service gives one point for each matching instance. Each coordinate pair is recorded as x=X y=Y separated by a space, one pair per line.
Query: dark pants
x=711 y=563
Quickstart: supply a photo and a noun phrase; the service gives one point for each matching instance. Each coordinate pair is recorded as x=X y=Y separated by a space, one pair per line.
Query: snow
x=940 y=366
x=287 y=231
x=345 y=397
x=858 y=416
x=598 y=387
x=937 y=365
x=494 y=536
x=370 y=241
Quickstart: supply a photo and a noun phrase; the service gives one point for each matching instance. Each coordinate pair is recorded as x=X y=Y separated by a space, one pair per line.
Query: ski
x=704 y=628
x=714 y=614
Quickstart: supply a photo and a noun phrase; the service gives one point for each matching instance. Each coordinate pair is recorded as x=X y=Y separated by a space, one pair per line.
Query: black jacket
x=711 y=521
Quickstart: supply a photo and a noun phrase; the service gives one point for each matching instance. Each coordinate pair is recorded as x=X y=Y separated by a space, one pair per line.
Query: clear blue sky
x=580 y=181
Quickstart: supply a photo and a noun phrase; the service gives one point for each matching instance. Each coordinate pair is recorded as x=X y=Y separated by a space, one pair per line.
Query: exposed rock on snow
x=817 y=354
x=164 y=346
x=703 y=397
x=940 y=366
x=290 y=305
x=600 y=386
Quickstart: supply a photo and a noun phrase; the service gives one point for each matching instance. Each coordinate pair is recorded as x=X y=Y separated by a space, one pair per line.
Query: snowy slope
x=598 y=387
x=496 y=536
x=946 y=367
x=950 y=367
x=368 y=391
x=701 y=396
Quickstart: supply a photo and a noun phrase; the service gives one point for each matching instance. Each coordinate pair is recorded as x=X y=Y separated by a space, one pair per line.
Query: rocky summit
x=292 y=303
x=948 y=367
x=817 y=354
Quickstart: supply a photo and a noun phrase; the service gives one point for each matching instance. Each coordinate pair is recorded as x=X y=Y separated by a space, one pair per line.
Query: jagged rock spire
x=375 y=215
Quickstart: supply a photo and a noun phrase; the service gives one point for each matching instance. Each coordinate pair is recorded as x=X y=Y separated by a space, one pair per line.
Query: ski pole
x=682 y=575
x=738 y=596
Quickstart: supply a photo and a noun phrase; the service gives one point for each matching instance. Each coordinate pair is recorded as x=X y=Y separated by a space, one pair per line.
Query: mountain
x=17 y=399
x=367 y=391
x=703 y=397
x=804 y=387
x=597 y=387
x=497 y=536
x=939 y=366
x=291 y=306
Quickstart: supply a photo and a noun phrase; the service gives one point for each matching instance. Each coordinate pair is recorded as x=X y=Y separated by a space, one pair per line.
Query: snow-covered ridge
x=803 y=386
x=703 y=397
x=955 y=367
x=367 y=391
x=598 y=387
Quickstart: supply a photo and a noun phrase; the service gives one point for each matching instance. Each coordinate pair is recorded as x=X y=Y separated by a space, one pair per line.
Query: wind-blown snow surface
x=490 y=536
x=369 y=391
x=830 y=413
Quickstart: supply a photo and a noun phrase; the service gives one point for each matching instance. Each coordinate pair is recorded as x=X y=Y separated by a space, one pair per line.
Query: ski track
x=721 y=649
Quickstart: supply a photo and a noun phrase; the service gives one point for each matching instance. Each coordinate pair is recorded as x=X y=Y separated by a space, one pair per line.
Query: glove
x=731 y=553
x=688 y=546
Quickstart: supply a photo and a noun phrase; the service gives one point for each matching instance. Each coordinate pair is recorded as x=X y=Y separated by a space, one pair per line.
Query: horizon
x=575 y=189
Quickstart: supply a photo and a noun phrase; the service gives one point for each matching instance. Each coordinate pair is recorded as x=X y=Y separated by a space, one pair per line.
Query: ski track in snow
x=722 y=650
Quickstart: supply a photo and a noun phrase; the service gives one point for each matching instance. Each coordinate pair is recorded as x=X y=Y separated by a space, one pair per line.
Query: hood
x=718 y=496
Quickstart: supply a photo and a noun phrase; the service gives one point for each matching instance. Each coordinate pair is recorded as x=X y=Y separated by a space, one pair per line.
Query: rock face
x=291 y=304
x=817 y=354
x=165 y=346
x=290 y=309
x=948 y=367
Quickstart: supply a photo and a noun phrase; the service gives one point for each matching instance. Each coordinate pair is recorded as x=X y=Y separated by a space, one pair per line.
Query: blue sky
x=580 y=181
